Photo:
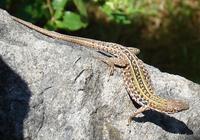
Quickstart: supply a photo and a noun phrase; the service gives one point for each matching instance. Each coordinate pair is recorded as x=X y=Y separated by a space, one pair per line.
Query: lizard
x=136 y=78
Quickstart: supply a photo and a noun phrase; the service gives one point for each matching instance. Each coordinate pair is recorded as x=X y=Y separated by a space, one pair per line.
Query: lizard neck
x=171 y=106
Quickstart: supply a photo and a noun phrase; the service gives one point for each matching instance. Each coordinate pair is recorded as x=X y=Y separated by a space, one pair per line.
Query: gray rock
x=55 y=90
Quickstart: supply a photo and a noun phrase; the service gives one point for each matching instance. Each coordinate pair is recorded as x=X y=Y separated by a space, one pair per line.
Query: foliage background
x=167 y=32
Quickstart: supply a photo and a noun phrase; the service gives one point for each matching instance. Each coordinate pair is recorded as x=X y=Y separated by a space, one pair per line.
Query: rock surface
x=51 y=89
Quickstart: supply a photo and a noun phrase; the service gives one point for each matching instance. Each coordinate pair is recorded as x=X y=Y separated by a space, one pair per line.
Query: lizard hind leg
x=112 y=62
x=135 y=51
x=138 y=111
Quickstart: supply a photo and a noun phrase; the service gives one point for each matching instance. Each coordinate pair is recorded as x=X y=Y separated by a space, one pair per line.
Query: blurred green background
x=166 y=31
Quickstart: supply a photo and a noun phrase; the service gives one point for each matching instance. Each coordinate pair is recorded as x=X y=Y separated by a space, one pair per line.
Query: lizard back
x=140 y=88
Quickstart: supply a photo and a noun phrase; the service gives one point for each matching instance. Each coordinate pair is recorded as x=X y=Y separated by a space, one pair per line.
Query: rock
x=51 y=89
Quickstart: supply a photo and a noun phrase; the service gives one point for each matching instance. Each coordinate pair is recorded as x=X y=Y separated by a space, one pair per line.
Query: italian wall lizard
x=136 y=77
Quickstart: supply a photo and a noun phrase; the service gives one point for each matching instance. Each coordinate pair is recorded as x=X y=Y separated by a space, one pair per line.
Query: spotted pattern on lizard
x=136 y=77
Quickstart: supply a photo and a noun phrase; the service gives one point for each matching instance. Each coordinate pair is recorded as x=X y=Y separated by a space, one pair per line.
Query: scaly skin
x=136 y=77
x=139 y=87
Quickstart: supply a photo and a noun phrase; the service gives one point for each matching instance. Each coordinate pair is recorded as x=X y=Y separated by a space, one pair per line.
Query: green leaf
x=81 y=7
x=59 y=4
x=58 y=14
x=71 y=21
x=50 y=25
x=106 y=9
x=121 y=19
x=60 y=24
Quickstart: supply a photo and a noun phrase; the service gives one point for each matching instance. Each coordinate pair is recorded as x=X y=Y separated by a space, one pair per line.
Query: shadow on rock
x=166 y=122
x=14 y=103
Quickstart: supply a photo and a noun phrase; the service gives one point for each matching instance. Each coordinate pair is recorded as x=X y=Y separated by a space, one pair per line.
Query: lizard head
x=176 y=106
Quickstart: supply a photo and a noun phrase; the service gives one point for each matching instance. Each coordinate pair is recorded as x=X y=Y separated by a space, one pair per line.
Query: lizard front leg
x=138 y=111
